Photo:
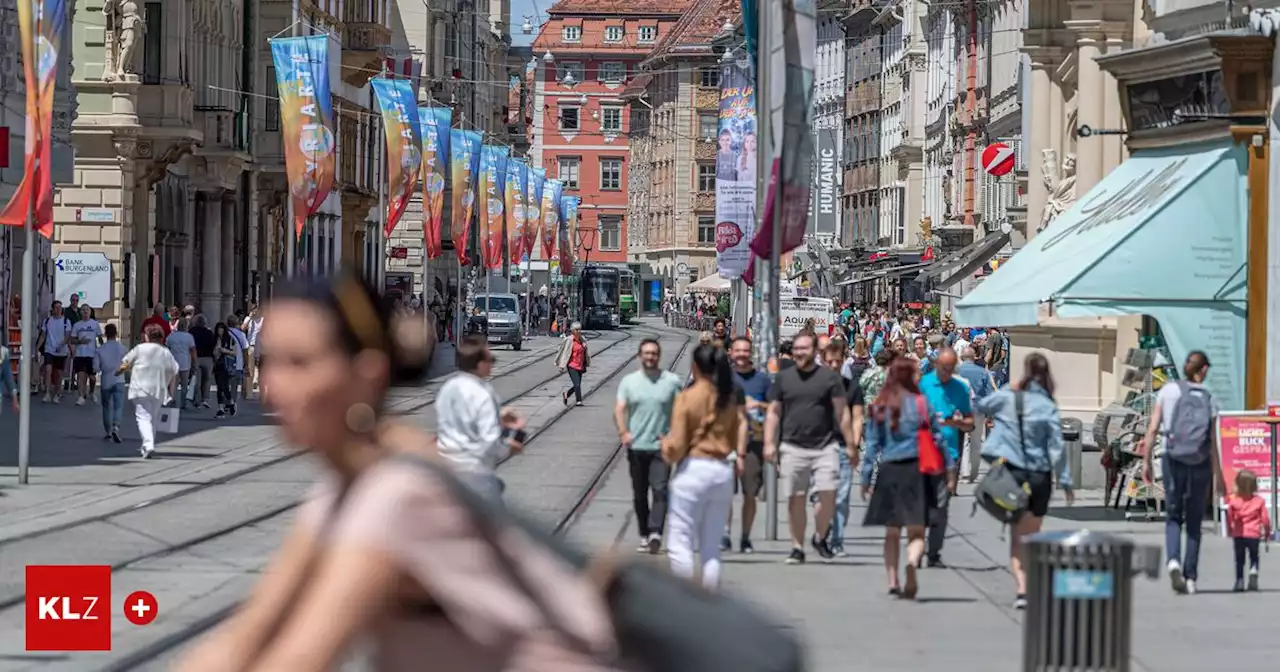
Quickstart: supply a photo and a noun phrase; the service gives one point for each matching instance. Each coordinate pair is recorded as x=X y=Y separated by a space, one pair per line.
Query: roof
x=617 y=7
x=694 y=32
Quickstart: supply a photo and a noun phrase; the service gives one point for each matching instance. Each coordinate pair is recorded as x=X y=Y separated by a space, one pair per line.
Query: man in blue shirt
x=949 y=396
x=980 y=383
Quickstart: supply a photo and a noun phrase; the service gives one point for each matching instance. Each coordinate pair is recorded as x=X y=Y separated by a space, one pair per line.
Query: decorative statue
x=947 y=195
x=1060 y=183
x=125 y=25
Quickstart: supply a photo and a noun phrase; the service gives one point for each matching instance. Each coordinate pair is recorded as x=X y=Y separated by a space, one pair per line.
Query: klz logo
x=68 y=608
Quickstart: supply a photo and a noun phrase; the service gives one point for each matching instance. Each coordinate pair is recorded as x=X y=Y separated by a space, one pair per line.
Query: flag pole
x=28 y=281
x=291 y=228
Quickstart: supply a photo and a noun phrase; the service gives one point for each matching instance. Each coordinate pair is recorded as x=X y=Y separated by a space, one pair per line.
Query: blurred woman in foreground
x=382 y=548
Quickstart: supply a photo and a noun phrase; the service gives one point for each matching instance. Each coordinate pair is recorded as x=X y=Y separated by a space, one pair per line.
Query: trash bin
x=1080 y=600
x=1073 y=444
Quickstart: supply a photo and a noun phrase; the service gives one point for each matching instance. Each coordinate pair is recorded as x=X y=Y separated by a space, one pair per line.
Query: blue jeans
x=1186 y=494
x=844 y=490
x=112 y=405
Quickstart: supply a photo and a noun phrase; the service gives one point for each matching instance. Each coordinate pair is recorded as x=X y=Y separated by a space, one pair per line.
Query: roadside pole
x=769 y=279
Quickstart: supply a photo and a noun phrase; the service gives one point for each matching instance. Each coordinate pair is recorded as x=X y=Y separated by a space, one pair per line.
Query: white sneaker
x=1191 y=586
x=1253 y=579
x=79 y=401
x=47 y=398
x=1176 y=579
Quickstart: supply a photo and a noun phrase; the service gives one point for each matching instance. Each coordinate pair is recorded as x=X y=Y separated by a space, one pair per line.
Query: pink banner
x=1245 y=443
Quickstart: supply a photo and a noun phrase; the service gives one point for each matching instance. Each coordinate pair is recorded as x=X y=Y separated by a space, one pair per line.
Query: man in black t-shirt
x=807 y=412
x=203 y=336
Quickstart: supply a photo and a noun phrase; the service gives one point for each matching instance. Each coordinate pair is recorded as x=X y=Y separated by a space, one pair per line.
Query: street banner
x=35 y=192
x=735 y=168
x=794 y=45
x=434 y=125
x=493 y=177
x=551 y=193
x=533 y=210
x=306 y=121
x=1244 y=442
x=404 y=144
x=568 y=227
x=517 y=213
x=464 y=164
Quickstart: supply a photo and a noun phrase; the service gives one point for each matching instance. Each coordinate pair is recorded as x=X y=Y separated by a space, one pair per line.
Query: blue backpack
x=1189 y=437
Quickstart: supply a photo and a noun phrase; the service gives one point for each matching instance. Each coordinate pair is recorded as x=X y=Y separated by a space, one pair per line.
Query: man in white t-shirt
x=84 y=340
x=252 y=327
x=55 y=331
x=183 y=346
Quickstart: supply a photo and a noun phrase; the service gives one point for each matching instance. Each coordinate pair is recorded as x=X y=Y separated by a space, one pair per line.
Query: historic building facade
x=861 y=181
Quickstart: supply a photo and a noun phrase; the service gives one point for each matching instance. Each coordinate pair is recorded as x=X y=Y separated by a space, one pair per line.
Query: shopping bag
x=168 y=421
x=191 y=390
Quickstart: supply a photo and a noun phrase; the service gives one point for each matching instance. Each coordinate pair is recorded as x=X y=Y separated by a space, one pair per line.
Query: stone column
x=254 y=227
x=338 y=237
x=187 y=201
x=1091 y=94
x=211 y=258
x=228 y=290
x=143 y=247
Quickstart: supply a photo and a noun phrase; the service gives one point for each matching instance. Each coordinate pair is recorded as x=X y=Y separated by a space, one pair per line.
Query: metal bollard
x=1072 y=430
x=1080 y=600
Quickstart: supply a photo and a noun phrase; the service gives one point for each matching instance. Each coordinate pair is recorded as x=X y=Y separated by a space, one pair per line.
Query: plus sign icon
x=141 y=607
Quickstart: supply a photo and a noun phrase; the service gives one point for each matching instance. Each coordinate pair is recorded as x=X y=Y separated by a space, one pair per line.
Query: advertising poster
x=464 y=163
x=399 y=109
x=1244 y=442
x=551 y=193
x=434 y=123
x=35 y=192
x=306 y=121
x=533 y=214
x=517 y=213
x=568 y=224
x=736 y=155
x=493 y=177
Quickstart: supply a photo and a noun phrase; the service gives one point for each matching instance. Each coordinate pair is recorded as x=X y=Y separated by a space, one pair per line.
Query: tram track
x=564 y=521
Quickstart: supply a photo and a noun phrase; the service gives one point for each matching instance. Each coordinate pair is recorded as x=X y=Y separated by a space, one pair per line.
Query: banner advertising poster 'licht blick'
x=736 y=155
x=568 y=227
x=434 y=123
x=517 y=214
x=464 y=163
x=46 y=24
x=404 y=144
x=493 y=177
x=551 y=193
x=533 y=218
x=306 y=121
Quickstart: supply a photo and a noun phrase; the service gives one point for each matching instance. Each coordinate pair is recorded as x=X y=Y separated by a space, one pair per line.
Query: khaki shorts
x=802 y=467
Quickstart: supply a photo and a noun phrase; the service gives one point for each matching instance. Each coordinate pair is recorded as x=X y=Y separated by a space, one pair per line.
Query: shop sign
x=85 y=274
x=1133 y=199
x=96 y=215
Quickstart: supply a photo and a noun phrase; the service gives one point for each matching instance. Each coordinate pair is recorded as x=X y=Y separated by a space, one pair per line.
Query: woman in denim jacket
x=7 y=387
x=901 y=496
x=1031 y=448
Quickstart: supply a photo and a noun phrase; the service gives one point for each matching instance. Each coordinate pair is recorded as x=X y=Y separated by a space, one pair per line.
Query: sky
x=535 y=9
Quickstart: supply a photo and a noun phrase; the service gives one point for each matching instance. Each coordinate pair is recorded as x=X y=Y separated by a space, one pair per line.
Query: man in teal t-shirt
x=949 y=397
x=643 y=415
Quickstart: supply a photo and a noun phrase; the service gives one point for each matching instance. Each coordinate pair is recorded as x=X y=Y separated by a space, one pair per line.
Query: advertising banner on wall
x=397 y=101
x=434 y=123
x=493 y=178
x=568 y=226
x=306 y=121
x=464 y=163
x=735 y=168
x=533 y=216
x=517 y=213
x=551 y=192
x=824 y=217
x=35 y=192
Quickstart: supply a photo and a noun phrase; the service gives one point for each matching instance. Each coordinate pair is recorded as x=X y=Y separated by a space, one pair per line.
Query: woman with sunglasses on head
x=385 y=550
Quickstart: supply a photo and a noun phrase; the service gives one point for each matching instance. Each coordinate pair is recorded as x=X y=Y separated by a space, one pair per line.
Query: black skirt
x=901 y=496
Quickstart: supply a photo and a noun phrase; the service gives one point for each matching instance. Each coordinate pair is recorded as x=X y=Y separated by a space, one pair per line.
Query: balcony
x=706 y=99
x=364 y=47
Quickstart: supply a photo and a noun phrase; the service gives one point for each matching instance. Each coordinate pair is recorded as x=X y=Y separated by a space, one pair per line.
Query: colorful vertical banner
x=736 y=157
x=398 y=103
x=551 y=192
x=434 y=125
x=464 y=164
x=46 y=24
x=517 y=213
x=568 y=226
x=306 y=121
x=533 y=210
x=493 y=177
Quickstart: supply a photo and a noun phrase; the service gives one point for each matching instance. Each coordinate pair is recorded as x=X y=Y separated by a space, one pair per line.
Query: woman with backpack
x=1185 y=415
x=903 y=435
x=1026 y=435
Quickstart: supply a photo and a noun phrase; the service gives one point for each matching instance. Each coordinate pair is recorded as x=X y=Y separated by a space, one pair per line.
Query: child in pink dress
x=1247 y=524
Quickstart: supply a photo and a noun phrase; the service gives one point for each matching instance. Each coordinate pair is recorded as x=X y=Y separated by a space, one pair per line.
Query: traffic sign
x=998 y=159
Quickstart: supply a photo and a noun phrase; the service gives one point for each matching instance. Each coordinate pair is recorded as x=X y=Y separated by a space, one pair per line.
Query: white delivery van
x=796 y=310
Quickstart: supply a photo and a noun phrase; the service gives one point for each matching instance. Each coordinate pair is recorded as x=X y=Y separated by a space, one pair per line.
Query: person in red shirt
x=1247 y=523
x=575 y=359
x=157 y=318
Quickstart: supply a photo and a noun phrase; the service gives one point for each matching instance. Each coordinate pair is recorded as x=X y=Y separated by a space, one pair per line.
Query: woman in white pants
x=152 y=371
x=708 y=427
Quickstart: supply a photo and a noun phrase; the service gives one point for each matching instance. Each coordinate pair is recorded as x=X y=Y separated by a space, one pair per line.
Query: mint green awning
x=1164 y=235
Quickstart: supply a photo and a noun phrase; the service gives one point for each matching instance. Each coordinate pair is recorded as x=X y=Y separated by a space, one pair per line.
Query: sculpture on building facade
x=1060 y=183
x=125 y=28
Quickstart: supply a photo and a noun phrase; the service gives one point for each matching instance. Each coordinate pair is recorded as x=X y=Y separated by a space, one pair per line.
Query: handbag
x=661 y=623
x=1000 y=493
x=930 y=456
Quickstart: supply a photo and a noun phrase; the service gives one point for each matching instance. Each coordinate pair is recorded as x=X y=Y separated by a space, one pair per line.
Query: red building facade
x=580 y=121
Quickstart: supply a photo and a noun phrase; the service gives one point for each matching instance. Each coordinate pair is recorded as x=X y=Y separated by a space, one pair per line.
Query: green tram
x=598 y=298
x=627 y=300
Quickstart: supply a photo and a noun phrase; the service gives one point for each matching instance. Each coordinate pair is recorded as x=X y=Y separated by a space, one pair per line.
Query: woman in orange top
x=708 y=438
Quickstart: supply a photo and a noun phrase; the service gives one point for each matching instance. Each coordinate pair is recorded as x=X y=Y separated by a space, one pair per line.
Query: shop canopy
x=1165 y=231
x=967 y=261
x=711 y=283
